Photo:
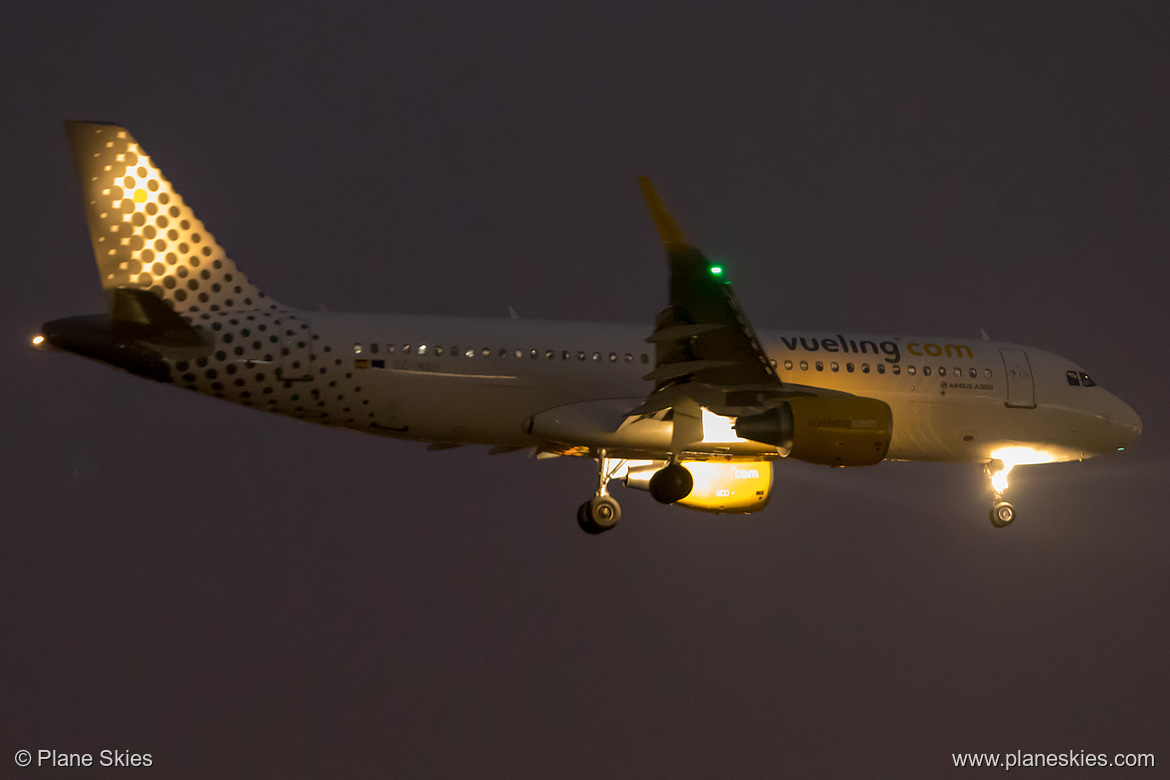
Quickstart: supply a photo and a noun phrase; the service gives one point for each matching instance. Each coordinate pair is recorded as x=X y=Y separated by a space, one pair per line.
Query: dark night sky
x=241 y=594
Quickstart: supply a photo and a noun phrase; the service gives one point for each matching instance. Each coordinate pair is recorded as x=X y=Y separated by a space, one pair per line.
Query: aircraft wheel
x=1003 y=514
x=671 y=483
x=598 y=515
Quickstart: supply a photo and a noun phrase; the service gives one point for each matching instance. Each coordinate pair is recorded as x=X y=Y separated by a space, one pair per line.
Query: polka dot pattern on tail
x=144 y=235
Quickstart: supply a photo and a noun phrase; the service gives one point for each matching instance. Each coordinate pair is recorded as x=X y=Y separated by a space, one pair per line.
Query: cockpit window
x=1087 y=381
x=1072 y=378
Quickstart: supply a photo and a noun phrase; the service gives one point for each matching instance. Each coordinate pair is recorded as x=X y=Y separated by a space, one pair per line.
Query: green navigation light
x=716 y=270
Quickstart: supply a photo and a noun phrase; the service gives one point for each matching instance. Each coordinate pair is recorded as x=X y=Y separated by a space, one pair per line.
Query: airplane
x=696 y=409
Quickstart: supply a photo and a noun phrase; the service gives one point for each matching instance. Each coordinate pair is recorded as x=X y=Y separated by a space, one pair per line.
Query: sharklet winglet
x=668 y=230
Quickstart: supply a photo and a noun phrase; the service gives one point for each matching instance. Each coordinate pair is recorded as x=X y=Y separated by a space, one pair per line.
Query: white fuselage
x=481 y=381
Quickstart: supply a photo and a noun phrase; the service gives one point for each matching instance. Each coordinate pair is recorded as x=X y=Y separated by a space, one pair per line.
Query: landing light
x=718 y=429
x=1017 y=456
x=38 y=340
x=1023 y=456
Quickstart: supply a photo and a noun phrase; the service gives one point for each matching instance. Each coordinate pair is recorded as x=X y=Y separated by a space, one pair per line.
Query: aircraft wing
x=706 y=352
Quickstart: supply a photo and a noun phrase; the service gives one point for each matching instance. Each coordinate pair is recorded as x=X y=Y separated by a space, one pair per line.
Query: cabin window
x=834 y=366
x=820 y=366
x=645 y=358
x=422 y=349
x=849 y=367
x=881 y=368
x=565 y=355
x=787 y=365
x=405 y=349
x=549 y=354
x=911 y=370
x=987 y=373
x=612 y=357
x=357 y=349
x=865 y=368
x=804 y=365
x=373 y=347
x=972 y=373
x=629 y=358
x=1087 y=381
x=597 y=356
x=486 y=352
x=503 y=353
x=926 y=370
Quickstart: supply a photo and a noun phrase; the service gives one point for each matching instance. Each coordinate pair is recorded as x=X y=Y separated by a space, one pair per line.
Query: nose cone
x=1124 y=424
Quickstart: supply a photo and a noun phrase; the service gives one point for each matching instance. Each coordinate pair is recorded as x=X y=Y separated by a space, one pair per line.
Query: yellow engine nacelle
x=840 y=431
x=731 y=487
x=837 y=430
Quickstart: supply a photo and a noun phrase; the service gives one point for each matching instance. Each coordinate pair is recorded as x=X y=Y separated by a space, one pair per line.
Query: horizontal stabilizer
x=139 y=315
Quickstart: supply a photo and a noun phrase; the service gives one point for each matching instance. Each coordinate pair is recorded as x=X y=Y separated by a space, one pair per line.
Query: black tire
x=598 y=515
x=605 y=512
x=1003 y=514
x=583 y=519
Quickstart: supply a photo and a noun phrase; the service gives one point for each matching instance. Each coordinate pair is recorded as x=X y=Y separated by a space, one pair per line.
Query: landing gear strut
x=601 y=513
x=1003 y=514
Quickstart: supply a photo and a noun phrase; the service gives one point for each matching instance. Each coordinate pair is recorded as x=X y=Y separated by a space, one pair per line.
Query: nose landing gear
x=1003 y=514
x=602 y=512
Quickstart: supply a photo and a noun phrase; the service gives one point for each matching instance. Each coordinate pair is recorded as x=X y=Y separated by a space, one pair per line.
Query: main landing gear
x=1003 y=514
x=602 y=512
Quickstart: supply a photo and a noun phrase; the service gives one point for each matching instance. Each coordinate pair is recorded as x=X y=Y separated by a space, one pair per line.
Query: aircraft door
x=1021 y=390
x=295 y=350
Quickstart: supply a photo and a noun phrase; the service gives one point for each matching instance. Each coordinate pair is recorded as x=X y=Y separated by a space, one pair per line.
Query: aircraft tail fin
x=145 y=237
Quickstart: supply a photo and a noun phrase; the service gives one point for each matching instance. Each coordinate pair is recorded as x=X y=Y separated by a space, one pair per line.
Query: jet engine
x=835 y=430
x=731 y=487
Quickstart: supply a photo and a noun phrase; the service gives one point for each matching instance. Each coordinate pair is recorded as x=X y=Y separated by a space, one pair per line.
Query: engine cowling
x=723 y=487
x=830 y=430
